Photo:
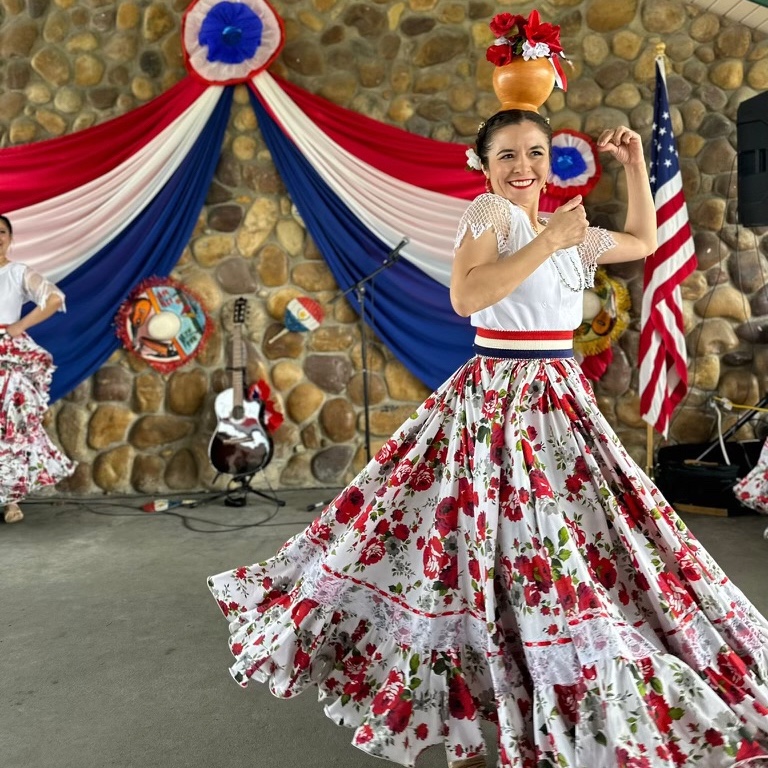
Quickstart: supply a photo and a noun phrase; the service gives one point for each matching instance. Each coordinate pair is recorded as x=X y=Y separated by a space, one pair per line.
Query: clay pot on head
x=524 y=84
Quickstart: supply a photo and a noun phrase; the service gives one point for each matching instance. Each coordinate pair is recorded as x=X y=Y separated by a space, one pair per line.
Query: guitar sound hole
x=238 y=412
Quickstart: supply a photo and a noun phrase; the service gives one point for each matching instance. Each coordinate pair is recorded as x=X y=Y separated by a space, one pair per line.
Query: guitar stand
x=238 y=496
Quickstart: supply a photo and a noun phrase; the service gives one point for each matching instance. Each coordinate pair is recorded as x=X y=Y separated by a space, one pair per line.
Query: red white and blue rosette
x=575 y=165
x=227 y=41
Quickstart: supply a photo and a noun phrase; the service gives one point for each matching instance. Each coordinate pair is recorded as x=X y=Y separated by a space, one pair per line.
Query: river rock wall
x=420 y=65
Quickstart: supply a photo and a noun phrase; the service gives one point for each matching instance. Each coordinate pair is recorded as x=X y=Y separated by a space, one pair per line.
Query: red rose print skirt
x=28 y=459
x=503 y=558
x=752 y=489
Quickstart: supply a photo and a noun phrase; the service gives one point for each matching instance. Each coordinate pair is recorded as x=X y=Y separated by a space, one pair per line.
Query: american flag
x=663 y=363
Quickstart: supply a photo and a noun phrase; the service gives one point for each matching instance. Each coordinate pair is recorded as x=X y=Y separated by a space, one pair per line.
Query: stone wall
x=418 y=64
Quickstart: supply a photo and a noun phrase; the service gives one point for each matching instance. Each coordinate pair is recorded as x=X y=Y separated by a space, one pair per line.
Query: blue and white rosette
x=227 y=41
x=575 y=165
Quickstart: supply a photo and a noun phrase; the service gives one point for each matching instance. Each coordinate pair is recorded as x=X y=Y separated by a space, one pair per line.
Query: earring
x=488 y=185
x=544 y=189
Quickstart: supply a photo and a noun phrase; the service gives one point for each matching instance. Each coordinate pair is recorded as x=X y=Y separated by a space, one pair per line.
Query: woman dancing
x=502 y=557
x=28 y=458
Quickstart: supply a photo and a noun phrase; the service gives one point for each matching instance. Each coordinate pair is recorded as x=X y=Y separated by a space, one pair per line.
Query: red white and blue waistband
x=526 y=345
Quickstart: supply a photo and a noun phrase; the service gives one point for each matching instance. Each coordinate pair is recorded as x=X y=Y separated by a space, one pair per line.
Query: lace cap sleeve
x=596 y=243
x=487 y=211
x=39 y=290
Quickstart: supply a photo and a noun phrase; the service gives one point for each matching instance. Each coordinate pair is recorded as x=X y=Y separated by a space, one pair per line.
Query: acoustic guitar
x=240 y=445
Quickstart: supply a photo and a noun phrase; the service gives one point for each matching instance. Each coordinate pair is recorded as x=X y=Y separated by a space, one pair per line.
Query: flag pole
x=649 y=451
x=660 y=49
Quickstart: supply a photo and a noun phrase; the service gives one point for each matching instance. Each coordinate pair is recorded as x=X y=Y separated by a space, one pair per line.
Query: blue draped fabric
x=409 y=311
x=82 y=339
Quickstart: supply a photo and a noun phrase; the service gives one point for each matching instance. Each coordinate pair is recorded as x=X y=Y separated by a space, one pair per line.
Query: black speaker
x=705 y=485
x=752 y=148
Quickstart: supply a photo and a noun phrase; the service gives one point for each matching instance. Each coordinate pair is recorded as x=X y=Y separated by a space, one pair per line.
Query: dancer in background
x=752 y=489
x=28 y=458
x=502 y=557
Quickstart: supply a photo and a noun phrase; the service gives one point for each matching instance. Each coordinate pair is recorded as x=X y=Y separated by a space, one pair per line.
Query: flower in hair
x=529 y=38
x=473 y=160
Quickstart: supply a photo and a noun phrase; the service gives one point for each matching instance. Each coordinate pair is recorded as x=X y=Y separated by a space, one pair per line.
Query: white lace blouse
x=20 y=284
x=549 y=299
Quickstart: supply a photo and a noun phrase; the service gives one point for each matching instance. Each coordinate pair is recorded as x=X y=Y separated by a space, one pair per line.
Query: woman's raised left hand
x=625 y=145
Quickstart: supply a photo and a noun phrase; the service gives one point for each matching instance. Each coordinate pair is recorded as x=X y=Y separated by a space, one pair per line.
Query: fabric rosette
x=228 y=42
x=575 y=165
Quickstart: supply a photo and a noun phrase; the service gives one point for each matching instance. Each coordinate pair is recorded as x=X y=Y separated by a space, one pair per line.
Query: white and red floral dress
x=28 y=459
x=752 y=489
x=503 y=558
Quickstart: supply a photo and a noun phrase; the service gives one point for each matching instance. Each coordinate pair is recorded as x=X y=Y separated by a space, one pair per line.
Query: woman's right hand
x=14 y=330
x=567 y=226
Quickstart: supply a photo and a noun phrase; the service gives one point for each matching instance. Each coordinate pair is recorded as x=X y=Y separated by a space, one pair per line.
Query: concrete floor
x=112 y=652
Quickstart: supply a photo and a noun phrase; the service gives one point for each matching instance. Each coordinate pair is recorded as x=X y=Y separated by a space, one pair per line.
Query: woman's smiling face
x=519 y=163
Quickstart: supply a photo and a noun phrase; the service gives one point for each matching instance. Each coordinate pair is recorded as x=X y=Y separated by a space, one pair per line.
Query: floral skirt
x=752 y=489
x=503 y=558
x=28 y=459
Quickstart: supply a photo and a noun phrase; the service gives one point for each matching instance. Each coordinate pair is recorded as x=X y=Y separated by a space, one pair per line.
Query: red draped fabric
x=439 y=166
x=31 y=173
x=435 y=165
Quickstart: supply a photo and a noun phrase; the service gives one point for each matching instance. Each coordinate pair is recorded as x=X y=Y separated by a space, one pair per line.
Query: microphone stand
x=360 y=292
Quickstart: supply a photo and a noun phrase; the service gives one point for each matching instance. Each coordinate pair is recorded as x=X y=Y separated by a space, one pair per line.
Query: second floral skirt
x=503 y=558
x=752 y=489
x=29 y=460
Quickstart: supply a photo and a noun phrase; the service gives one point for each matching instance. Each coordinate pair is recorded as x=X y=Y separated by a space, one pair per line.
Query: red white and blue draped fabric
x=332 y=162
x=663 y=362
x=102 y=210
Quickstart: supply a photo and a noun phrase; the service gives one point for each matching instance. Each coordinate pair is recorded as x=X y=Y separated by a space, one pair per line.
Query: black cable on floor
x=189 y=501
